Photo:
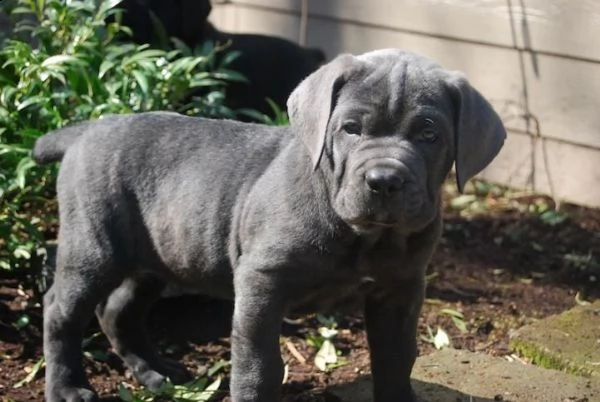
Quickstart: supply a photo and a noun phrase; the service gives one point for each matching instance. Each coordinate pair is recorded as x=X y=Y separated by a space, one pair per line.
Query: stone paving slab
x=461 y=376
x=569 y=341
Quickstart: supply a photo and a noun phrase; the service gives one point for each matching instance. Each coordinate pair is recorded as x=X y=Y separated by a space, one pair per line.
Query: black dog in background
x=273 y=66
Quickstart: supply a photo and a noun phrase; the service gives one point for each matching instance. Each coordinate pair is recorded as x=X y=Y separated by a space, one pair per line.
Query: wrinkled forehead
x=394 y=84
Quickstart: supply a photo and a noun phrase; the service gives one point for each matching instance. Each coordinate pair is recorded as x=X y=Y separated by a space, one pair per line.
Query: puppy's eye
x=428 y=135
x=352 y=127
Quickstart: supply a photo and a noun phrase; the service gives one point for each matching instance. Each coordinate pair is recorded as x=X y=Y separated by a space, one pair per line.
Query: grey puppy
x=343 y=205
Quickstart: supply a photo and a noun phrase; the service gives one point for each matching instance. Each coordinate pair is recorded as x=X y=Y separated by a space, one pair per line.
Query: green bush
x=65 y=63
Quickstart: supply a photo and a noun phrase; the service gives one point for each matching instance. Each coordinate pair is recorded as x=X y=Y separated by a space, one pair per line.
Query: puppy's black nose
x=384 y=180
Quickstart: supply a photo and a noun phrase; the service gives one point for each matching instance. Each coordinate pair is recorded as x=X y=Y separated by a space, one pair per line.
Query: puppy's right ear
x=310 y=105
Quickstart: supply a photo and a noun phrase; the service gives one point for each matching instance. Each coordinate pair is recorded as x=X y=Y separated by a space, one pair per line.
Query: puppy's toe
x=71 y=394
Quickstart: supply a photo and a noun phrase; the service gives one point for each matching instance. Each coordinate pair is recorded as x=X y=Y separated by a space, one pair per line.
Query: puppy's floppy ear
x=479 y=132
x=310 y=105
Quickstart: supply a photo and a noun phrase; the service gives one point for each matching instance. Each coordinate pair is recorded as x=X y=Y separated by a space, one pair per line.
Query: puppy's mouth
x=374 y=221
x=386 y=223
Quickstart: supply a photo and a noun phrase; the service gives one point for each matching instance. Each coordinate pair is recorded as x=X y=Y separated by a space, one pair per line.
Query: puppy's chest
x=344 y=285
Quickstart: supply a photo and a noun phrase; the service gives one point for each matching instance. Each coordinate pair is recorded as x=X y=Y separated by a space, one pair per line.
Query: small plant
x=327 y=357
x=440 y=340
x=195 y=391
x=582 y=261
x=547 y=213
x=65 y=63
x=280 y=117
x=457 y=318
x=199 y=390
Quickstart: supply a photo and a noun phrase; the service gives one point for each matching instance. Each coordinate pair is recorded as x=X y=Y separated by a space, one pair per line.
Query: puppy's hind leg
x=80 y=283
x=122 y=317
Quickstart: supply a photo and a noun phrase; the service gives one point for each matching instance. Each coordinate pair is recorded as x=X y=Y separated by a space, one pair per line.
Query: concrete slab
x=569 y=341
x=462 y=376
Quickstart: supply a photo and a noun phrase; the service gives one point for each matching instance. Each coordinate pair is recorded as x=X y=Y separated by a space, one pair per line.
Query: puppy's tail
x=52 y=146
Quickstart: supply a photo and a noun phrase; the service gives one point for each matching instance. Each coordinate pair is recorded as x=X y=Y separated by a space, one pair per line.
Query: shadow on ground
x=360 y=391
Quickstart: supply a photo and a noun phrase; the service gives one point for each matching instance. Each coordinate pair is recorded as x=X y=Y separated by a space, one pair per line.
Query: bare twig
x=295 y=352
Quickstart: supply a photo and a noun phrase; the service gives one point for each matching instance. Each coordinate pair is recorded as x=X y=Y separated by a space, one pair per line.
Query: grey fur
x=284 y=218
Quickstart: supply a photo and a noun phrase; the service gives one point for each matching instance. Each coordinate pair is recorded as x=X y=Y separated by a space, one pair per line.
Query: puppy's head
x=386 y=128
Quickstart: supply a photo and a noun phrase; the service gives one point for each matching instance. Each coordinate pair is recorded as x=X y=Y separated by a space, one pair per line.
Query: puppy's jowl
x=277 y=218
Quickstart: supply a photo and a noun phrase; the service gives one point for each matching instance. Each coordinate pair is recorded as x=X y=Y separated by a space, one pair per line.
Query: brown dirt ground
x=502 y=269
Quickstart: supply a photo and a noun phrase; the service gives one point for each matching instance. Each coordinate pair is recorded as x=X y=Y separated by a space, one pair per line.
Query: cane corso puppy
x=343 y=205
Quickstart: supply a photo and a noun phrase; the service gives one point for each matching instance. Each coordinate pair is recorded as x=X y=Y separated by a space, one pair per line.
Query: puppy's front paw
x=70 y=394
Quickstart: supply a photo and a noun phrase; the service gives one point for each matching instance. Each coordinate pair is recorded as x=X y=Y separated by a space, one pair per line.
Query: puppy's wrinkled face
x=390 y=145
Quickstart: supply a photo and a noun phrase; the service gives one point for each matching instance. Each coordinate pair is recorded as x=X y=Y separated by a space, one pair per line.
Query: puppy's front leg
x=257 y=368
x=391 y=323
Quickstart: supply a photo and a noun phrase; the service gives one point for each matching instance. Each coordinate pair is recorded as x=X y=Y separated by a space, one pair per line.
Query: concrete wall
x=537 y=61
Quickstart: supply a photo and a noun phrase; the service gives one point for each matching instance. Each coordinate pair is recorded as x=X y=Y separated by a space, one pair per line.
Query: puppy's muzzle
x=384 y=180
x=393 y=192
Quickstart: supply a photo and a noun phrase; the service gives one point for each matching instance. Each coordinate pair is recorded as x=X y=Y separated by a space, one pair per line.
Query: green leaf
x=31 y=376
x=96 y=355
x=22 y=168
x=144 y=55
x=460 y=324
x=41 y=5
x=328 y=333
x=105 y=67
x=7 y=94
x=87 y=341
x=441 y=339
x=205 y=82
x=120 y=52
x=125 y=394
x=181 y=47
x=206 y=48
x=186 y=64
x=462 y=201
x=30 y=133
x=326 y=355
x=111 y=3
x=20 y=10
x=211 y=389
x=12 y=148
x=230 y=57
x=327 y=321
x=21 y=252
x=30 y=102
x=230 y=75
x=552 y=218
x=218 y=366
x=159 y=29
x=142 y=81
x=62 y=59
x=452 y=313
x=254 y=115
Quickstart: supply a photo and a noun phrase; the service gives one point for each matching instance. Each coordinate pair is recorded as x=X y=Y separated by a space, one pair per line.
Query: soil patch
x=502 y=269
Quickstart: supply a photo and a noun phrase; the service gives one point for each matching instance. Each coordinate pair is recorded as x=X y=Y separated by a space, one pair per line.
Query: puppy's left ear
x=479 y=132
x=310 y=105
